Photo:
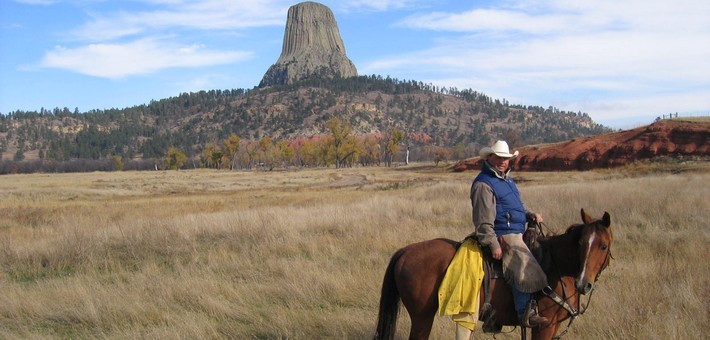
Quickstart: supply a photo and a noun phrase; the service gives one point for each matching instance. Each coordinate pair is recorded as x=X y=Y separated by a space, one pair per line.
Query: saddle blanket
x=459 y=292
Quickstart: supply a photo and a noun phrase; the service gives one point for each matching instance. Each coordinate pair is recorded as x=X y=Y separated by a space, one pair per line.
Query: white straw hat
x=500 y=148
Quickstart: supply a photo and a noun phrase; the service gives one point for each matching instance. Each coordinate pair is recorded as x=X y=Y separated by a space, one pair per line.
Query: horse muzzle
x=583 y=286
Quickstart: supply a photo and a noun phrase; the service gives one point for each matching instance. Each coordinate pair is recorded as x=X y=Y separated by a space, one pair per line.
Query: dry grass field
x=301 y=254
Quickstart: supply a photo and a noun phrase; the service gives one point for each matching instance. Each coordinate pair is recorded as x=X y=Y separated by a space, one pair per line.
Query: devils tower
x=312 y=47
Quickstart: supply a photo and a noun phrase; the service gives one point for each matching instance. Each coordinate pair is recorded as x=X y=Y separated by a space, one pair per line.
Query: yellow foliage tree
x=212 y=155
x=117 y=162
x=308 y=153
x=286 y=152
x=392 y=146
x=370 y=151
x=344 y=148
x=175 y=159
x=231 y=148
x=267 y=153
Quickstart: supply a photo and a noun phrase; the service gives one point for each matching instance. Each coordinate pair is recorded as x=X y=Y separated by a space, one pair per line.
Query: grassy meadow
x=301 y=254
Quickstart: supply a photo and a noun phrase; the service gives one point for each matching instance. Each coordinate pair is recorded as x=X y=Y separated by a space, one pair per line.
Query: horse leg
x=418 y=273
x=421 y=311
x=545 y=333
x=421 y=326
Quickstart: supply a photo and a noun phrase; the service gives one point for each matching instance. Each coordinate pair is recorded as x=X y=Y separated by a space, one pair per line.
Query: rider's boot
x=531 y=318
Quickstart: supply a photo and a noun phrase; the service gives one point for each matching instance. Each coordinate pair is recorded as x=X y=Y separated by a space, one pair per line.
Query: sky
x=623 y=62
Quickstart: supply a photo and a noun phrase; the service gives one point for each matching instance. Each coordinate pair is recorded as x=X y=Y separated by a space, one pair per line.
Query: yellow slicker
x=459 y=293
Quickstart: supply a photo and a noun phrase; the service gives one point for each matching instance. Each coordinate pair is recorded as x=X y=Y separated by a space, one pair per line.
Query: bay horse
x=573 y=262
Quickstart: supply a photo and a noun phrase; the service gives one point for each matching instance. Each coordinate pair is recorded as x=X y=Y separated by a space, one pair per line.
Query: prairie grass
x=300 y=254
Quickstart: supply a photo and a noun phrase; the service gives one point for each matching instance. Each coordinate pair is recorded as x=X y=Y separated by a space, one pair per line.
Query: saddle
x=493 y=269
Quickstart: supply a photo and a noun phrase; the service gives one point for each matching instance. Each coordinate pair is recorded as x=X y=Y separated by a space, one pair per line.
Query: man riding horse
x=499 y=219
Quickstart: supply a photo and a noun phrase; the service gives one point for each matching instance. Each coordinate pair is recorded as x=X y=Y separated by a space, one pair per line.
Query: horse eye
x=603 y=246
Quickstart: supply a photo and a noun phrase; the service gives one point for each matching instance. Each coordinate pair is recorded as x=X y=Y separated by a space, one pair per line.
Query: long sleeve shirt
x=483 y=203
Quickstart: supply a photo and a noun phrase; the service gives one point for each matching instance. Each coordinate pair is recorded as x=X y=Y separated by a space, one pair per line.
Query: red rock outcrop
x=662 y=138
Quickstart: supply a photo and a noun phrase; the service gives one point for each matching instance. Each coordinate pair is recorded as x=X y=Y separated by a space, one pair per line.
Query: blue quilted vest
x=510 y=212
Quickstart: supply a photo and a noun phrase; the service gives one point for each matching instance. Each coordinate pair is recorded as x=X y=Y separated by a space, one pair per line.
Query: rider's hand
x=497 y=253
x=537 y=218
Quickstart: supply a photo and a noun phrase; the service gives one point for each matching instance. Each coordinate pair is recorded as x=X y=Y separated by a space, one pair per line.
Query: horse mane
x=566 y=243
x=574 y=231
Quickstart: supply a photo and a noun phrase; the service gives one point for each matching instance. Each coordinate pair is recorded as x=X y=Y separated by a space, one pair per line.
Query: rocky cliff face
x=312 y=47
x=673 y=138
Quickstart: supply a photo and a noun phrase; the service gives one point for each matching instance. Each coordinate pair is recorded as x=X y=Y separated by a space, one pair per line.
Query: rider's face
x=499 y=163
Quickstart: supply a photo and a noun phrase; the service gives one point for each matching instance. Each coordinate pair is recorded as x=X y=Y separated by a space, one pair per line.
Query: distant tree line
x=338 y=148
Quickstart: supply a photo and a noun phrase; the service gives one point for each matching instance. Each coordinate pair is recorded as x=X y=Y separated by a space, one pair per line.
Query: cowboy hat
x=500 y=148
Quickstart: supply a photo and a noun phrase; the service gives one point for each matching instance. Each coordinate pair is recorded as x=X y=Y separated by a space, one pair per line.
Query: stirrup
x=532 y=319
x=530 y=310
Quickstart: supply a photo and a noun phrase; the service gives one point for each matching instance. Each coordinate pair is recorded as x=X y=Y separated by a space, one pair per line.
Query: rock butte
x=312 y=47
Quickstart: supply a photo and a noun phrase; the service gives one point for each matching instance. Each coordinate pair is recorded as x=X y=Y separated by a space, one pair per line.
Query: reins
x=540 y=226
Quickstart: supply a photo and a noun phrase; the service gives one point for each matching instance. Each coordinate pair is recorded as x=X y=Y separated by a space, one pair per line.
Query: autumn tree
x=267 y=152
x=441 y=154
x=370 y=151
x=308 y=153
x=351 y=152
x=231 y=148
x=286 y=153
x=341 y=143
x=117 y=162
x=392 y=144
x=175 y=159
x=247 y=153
x=212 y=155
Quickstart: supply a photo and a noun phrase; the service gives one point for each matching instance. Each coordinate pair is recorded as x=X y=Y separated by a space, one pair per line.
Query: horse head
x=594 y=250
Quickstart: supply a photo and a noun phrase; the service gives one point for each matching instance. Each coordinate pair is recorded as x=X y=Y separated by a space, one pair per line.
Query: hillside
x=664 y=138
x=370 y=104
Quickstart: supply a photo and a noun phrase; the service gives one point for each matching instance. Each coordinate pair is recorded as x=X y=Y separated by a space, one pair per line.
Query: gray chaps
x=520 y=268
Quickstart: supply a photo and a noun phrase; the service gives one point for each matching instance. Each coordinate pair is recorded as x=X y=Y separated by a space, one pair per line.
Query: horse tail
x=389 y=302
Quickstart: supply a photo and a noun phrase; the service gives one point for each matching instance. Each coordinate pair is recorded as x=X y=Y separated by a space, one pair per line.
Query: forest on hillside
x=434 y=121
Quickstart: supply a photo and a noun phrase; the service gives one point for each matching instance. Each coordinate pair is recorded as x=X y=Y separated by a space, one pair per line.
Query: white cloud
x=200 y=15
x=487 y=19
x=629 y=111
x=583 y=54
x=203 y=82
x=112 y=55
x=377 y=5
x=206 y=15
x=139 y=57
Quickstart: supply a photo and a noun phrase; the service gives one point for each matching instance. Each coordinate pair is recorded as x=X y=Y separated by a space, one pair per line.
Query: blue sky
x=624 y=62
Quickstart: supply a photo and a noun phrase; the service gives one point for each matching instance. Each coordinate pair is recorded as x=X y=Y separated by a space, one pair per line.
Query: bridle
x=563 y=301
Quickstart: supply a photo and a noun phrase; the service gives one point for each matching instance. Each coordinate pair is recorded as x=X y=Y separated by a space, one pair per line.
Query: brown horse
x=574 y=261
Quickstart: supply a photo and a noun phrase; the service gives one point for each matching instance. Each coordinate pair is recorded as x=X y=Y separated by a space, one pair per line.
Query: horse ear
x=606 y=219
x=586 y=218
